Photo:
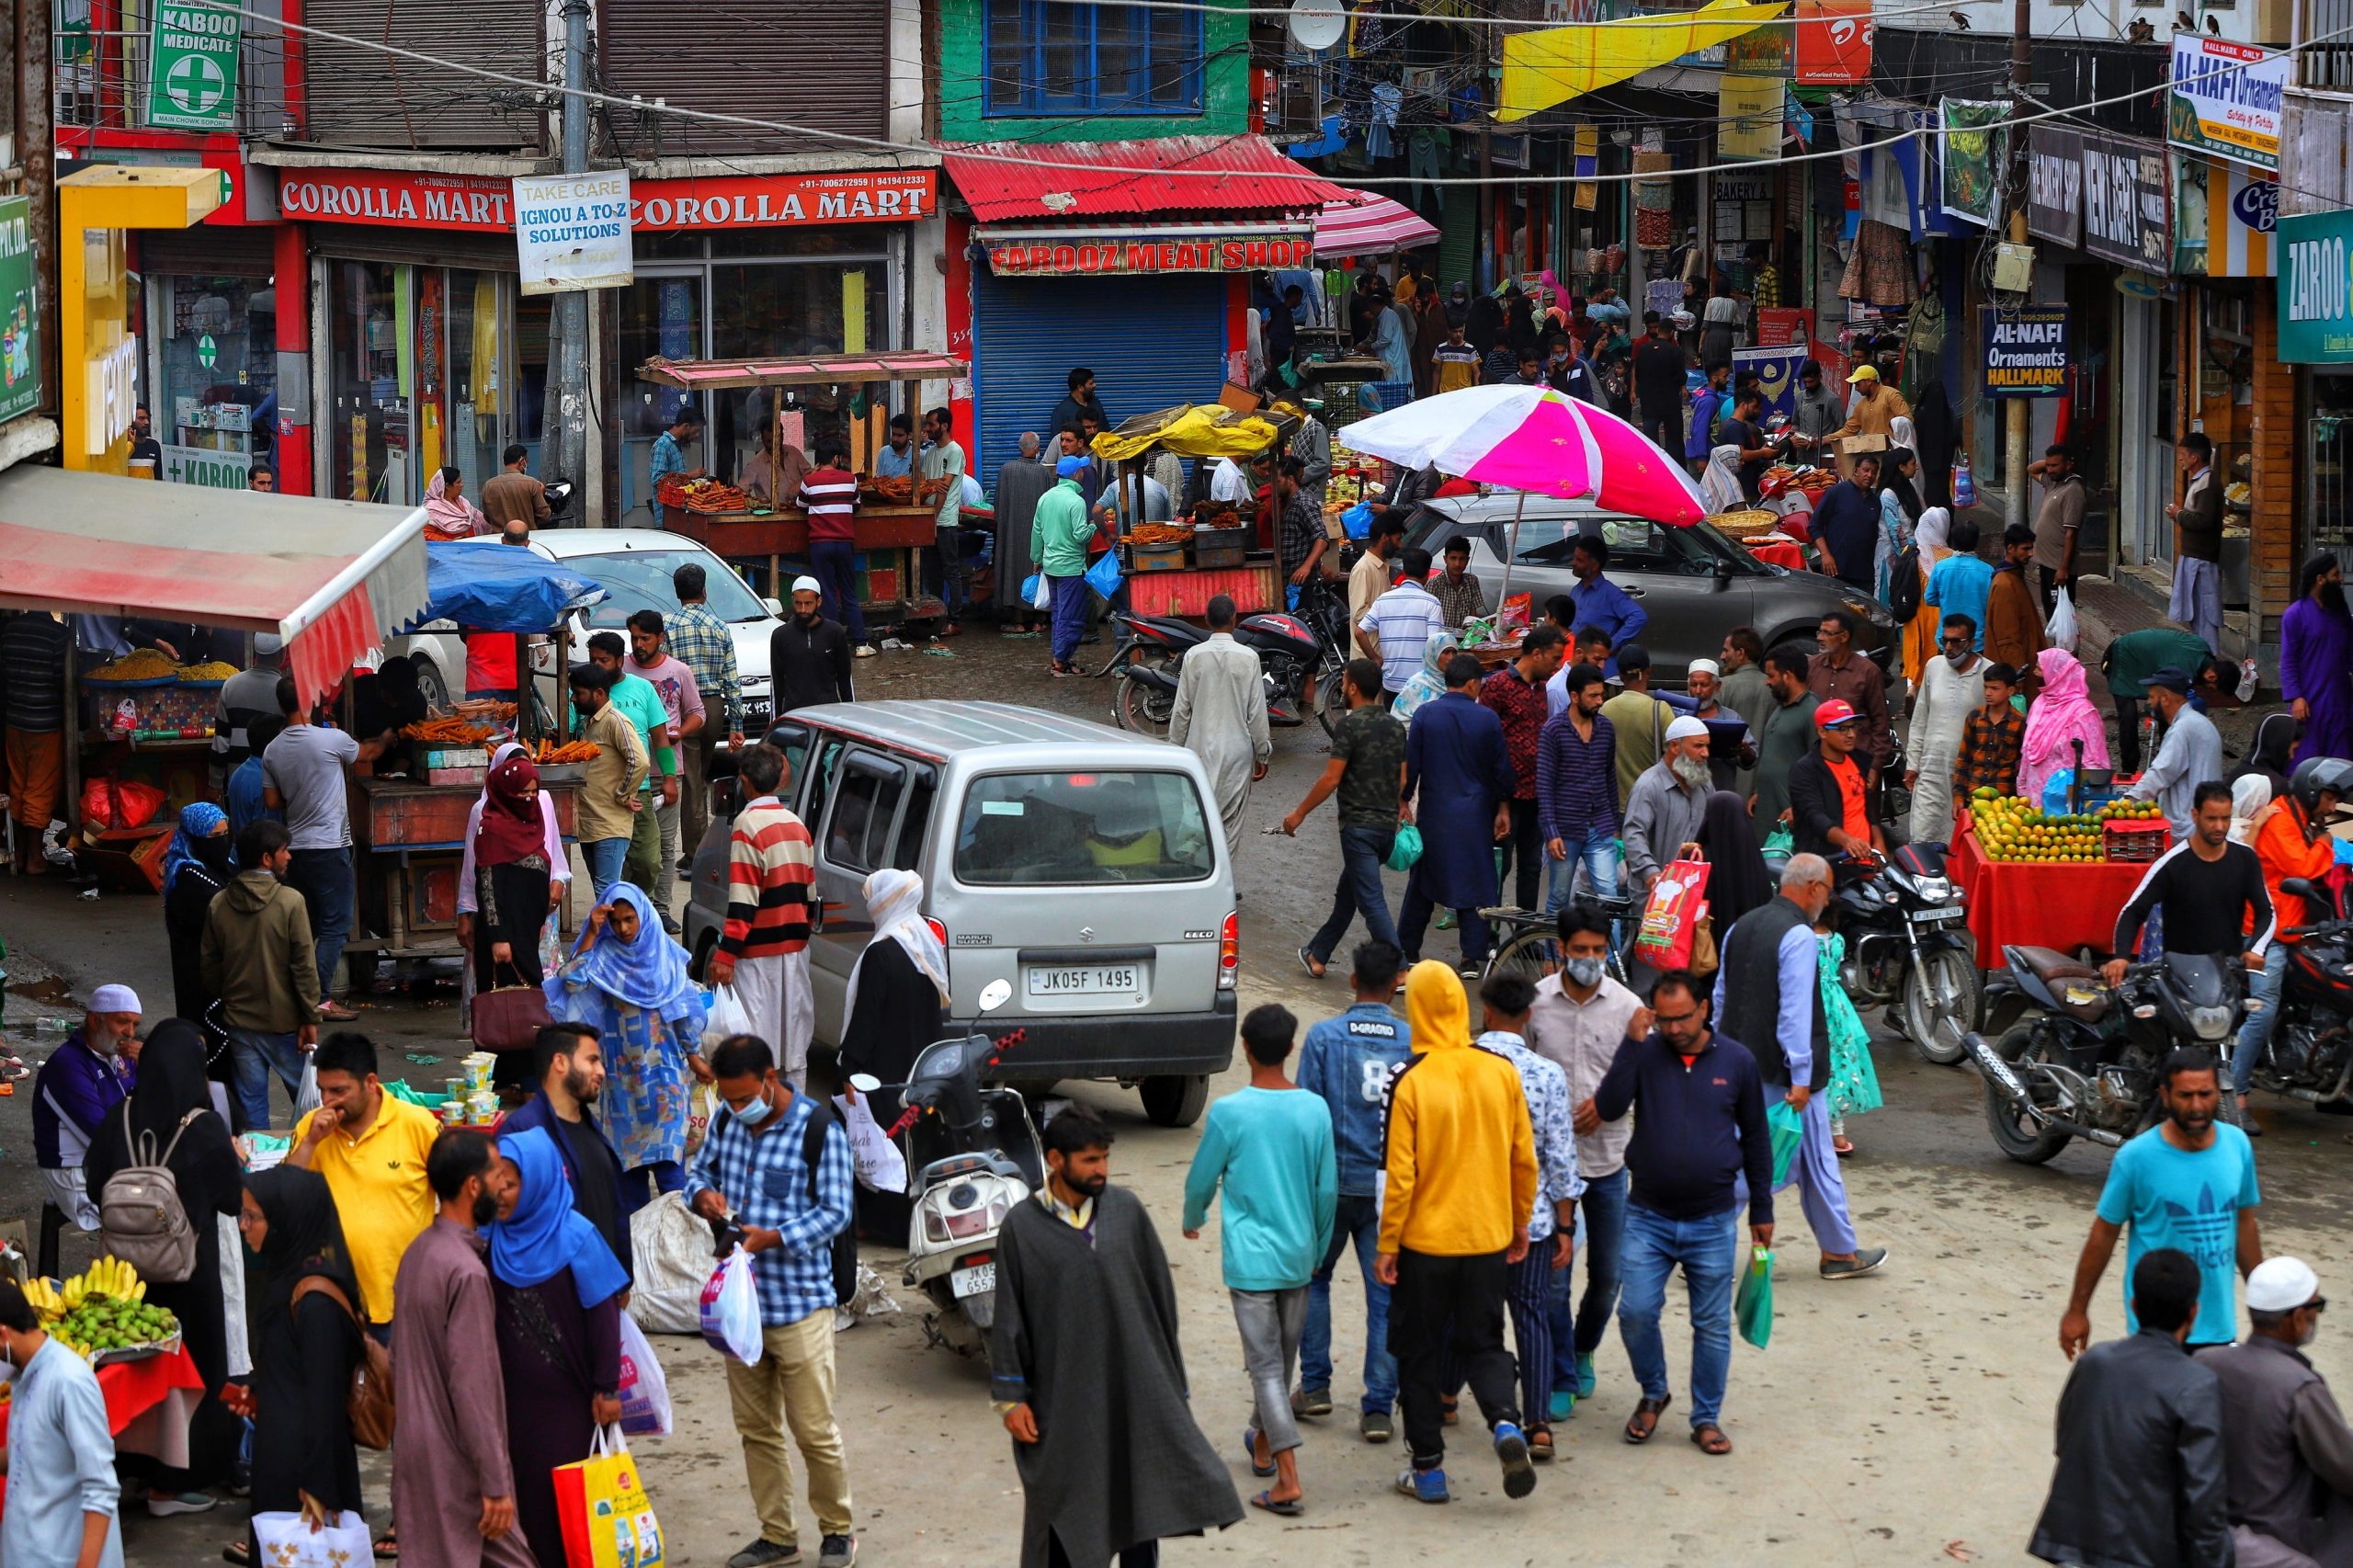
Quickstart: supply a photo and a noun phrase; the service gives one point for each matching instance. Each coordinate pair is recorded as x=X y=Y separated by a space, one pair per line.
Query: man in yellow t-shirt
x=372 y=1149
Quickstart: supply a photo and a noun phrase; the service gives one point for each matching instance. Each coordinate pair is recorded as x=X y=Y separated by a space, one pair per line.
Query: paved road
x=1891 y=1416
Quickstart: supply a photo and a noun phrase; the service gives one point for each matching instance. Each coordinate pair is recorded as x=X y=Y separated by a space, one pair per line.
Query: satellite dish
x=1317 y=23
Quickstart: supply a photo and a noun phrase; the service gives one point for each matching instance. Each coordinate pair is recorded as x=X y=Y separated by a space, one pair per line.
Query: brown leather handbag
x=369 y=1405
x=510 y=1017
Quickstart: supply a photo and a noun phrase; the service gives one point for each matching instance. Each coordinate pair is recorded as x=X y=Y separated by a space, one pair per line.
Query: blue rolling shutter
x=1151 y=343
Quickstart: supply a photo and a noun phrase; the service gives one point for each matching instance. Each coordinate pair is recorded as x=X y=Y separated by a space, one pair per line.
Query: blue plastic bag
x=1030 y=589
x=1357 y=519
x=1405 y=848
x=1104 y=575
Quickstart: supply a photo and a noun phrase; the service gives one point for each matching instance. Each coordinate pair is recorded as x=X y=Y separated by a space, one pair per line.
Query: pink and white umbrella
x=1366 y=224
x=1540 y=442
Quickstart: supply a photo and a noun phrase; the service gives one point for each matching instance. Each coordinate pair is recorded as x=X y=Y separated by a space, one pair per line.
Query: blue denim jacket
x=1349 y=1061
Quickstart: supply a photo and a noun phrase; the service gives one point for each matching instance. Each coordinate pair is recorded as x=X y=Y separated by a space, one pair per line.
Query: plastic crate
x=2136 y=840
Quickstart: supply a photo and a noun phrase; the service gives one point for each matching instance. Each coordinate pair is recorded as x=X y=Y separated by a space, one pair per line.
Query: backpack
x=1905 y=587
x=369 y=1405
x=813 y=1151
x=140 y=1218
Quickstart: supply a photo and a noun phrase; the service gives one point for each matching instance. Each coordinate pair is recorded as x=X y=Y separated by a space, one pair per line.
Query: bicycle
x=1527 y=941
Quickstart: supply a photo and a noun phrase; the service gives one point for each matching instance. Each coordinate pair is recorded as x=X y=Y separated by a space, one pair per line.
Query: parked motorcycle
x=2082 y=1061
x=2310 y=1054
x=1907 y=949
x=1301 y=659
x=972 y=1154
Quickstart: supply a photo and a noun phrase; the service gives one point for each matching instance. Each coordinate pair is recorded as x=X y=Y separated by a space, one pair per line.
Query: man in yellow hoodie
x=1461 y=1181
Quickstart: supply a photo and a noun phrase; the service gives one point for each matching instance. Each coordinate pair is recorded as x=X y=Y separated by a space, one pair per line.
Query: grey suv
x=1695 y=584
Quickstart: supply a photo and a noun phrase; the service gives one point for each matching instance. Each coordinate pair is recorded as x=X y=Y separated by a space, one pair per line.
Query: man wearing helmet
x=2293 y=841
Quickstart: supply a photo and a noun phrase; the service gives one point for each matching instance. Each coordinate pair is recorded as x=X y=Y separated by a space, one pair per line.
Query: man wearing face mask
x=1768 y=996
x=92 y=1073
x=453 y=1483
x=2287 y=1452
x=1663 y=811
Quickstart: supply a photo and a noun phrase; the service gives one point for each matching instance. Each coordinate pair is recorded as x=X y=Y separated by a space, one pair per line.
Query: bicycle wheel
x=1534 y=953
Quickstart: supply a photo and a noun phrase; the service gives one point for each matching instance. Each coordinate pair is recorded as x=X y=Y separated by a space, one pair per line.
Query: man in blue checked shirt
x=755 y=1167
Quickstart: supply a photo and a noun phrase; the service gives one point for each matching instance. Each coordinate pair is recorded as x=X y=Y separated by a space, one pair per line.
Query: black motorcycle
x=1907 y=948
x=2082 y=1061
x=1301 y=659
x=2310 y=1054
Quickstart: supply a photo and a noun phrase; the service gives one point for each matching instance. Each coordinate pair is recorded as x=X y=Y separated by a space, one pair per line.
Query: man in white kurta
x=1949 y=692
x=1221 y=716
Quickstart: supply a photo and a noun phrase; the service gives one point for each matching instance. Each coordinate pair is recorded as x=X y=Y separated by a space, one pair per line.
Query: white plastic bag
x=644 y=1390
x=2246 y=680
x=731 y=1308
x=1043 y=597
x=287 y=1540
x=2063 y=630
x=671 y=1249
x=727 y=1016
x=880 y=1165
x=306 y=1098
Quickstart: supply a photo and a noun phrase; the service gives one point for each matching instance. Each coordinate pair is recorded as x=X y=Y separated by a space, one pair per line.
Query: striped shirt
x=1576 y=779
x=33 y=648
x=831 y=494
x=771 y=868
x=1402 y=621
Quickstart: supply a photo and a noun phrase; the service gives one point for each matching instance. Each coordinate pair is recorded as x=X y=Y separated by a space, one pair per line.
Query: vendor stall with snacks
x=1211 y=548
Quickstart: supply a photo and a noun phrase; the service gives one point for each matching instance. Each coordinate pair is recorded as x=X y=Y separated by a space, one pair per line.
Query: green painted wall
x=1225 y=89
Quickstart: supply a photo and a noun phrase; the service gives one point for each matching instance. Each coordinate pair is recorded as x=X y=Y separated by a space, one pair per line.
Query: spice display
x=144 y=665
x=215 y=669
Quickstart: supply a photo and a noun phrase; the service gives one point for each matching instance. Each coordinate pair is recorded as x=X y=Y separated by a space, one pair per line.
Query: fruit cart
x=145 y=1375
x=771 y=539
x=2051 y=881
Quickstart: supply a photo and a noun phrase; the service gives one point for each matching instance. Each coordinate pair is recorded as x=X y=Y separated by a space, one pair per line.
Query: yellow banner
x=1554 y=65
x=1748 y=111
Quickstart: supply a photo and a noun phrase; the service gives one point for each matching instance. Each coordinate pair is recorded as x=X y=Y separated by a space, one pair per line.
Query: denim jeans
x=1362 y=851
x=1357 y=1223
x=1654 y=1244
x=253 y=1056
x=2254 y=1032
x=834 y=563
x=323 y=878
x=1598 y=851
x=1579 y=1322
x=642 y=1184
x=606 y=856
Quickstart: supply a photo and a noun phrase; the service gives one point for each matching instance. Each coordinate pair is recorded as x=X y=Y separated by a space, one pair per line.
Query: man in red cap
x=1829 y=808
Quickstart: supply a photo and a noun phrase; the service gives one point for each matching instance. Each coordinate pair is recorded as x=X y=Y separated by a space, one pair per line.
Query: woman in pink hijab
x=448 y=514
x=2061 y=714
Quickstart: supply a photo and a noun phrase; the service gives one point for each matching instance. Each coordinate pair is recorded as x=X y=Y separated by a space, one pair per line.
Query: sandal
x=236 y=1551
x=1539 y=1444
x=1250 y=1451
x=1638 y=1428
x=1289 y=1508
x=388 y=1545
x=336 y=1013
x=1710 y=1438
x=1840 y=1147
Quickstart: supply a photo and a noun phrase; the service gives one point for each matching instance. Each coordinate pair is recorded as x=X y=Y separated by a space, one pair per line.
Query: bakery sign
x=485 y=204
x=1146 y=251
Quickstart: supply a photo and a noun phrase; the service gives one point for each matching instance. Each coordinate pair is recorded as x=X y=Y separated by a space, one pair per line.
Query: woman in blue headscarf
x=196 y=866
x=557 y=1289
x=629 y=980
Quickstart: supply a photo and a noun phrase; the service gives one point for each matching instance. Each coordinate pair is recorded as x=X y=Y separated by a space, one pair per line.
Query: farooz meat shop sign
x=485 y=204
x=1141 y=252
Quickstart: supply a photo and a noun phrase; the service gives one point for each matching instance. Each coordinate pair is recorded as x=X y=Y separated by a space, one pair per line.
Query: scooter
x=1908 y=949
x=2310 y=1055
x=972 y=1154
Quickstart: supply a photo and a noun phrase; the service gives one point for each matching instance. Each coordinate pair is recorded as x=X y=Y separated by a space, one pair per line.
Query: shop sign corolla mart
x=1145 y=251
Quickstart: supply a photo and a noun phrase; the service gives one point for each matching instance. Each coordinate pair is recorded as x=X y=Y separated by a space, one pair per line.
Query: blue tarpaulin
x=494 y=587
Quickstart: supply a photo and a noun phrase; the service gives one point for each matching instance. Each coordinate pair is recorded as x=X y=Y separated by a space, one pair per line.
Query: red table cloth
x=133 y=1389
x=2064 y=905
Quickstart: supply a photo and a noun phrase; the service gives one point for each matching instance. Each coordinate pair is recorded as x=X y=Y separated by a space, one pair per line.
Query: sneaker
x=1375 y=1426
x=686 y=864
x=164 y=1505
x=1312 y=1402
x=1562 y=1404
x=1865 y=1261
x=837 y=1551
x=1519 y=1471
x=1423 y=1486
x=1585 y=1377
x=863 y=651
x=763 y=1552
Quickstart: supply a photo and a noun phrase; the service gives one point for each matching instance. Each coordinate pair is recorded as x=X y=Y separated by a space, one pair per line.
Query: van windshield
x=1082 y=829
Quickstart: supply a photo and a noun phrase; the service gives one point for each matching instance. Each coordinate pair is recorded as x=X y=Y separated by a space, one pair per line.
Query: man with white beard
x=1663 y=811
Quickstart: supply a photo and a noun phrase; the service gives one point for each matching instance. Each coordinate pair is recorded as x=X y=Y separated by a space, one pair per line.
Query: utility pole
x=565 y=431
x=2020 y=409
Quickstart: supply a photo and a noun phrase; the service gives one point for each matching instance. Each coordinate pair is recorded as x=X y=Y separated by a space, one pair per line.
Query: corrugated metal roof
x=1220 y=174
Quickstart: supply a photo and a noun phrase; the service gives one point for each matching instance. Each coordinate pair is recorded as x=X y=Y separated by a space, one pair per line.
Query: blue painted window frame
x=1018 y=88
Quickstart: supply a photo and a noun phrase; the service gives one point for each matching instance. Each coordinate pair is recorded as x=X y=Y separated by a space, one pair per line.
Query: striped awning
x=1366 y=224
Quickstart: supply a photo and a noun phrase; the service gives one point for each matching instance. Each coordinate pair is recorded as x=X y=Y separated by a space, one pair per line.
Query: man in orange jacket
x=2293 y=841
x=1460 y=1182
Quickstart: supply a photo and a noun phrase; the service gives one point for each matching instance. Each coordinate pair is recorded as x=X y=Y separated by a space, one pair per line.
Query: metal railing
x=101 y=75
x=2329 y=63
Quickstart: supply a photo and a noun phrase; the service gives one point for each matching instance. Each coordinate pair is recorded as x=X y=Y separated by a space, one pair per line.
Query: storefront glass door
x=220 y=365
x=367 y=431
x=660 y=313
x=479 y=390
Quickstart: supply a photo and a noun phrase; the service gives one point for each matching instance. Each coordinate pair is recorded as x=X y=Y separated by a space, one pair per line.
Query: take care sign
x=573 y=231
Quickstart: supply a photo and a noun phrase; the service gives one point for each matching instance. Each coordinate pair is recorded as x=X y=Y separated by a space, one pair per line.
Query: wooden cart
x=407 y=843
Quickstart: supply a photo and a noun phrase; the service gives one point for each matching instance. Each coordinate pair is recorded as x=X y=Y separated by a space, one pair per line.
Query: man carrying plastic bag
x=776 y=1172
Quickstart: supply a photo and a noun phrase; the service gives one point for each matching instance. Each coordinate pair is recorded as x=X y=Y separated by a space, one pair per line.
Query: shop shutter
x=1152 y=342
x=825 y=66
x=1458 y=234
x=362 y=98
x=208 y=250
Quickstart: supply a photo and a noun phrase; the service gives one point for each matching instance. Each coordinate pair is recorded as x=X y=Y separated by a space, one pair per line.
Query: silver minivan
x=1084 y=866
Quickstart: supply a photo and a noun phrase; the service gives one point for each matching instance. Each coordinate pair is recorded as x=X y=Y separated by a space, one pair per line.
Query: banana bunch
x=110 y=1277
x=44 y=1300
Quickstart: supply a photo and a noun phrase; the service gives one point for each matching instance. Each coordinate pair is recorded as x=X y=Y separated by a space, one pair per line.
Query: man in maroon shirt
x=1515 y=692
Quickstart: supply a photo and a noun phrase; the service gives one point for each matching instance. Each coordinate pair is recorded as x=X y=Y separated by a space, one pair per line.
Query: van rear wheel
x=1176 y=1101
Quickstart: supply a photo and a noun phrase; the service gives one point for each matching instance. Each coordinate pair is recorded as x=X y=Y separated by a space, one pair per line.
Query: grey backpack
x=140 y=1218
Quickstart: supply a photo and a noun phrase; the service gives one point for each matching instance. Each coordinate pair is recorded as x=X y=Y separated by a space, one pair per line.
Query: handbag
x=1753 y=1304
x=510 y=1017
x=1705 y=959
x=368 y=1405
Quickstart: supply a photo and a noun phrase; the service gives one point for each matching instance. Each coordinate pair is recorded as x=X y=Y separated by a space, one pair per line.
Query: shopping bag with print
x=1752 y=1306
x=731 y=1308
x=645 y=1392
x=312 y=1539
x=601 y=1504
x=879 y=1165
x=1671 y=916
x=700 y=1098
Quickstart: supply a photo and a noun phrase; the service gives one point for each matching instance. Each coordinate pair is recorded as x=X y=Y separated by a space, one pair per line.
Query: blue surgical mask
x=1585 y=973
x=759 y=1113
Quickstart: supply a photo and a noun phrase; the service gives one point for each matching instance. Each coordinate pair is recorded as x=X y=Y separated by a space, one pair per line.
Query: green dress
x=1854 y=1081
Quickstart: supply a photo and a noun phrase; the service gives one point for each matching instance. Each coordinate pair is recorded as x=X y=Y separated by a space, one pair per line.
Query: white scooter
x=972 y=1154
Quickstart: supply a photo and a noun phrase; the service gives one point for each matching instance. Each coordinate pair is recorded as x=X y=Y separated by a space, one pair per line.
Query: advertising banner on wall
x=2316 y=289
x=571 y=231
x=2054 y=184
x=192 y=67
x=1834 y=40
x=2226 y=98
x=2128 y=207
x=1974 y=158
x=19 y=311
x=2024 y=350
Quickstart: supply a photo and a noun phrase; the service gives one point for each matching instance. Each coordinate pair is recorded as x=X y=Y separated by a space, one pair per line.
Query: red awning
x=1175 y=174
x=803 y=371
x=333 y=578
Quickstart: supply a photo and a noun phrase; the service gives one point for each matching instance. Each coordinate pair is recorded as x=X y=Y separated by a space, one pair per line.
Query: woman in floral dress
x=1854 y=1081
x=628 y=981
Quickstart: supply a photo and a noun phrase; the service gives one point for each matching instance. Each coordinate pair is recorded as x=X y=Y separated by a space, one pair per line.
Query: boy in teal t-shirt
x=638 y=701
x=1270 y=1147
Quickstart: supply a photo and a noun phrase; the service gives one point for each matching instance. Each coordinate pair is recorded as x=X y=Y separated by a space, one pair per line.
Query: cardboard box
x=1856 y=445
x=470 y=776
x=445 y=757
x=1242 y=398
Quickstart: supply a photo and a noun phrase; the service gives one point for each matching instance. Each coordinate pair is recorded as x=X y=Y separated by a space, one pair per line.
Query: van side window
x=820 y=778
x=914 y=823
x=792 y=740
x=857 y=835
